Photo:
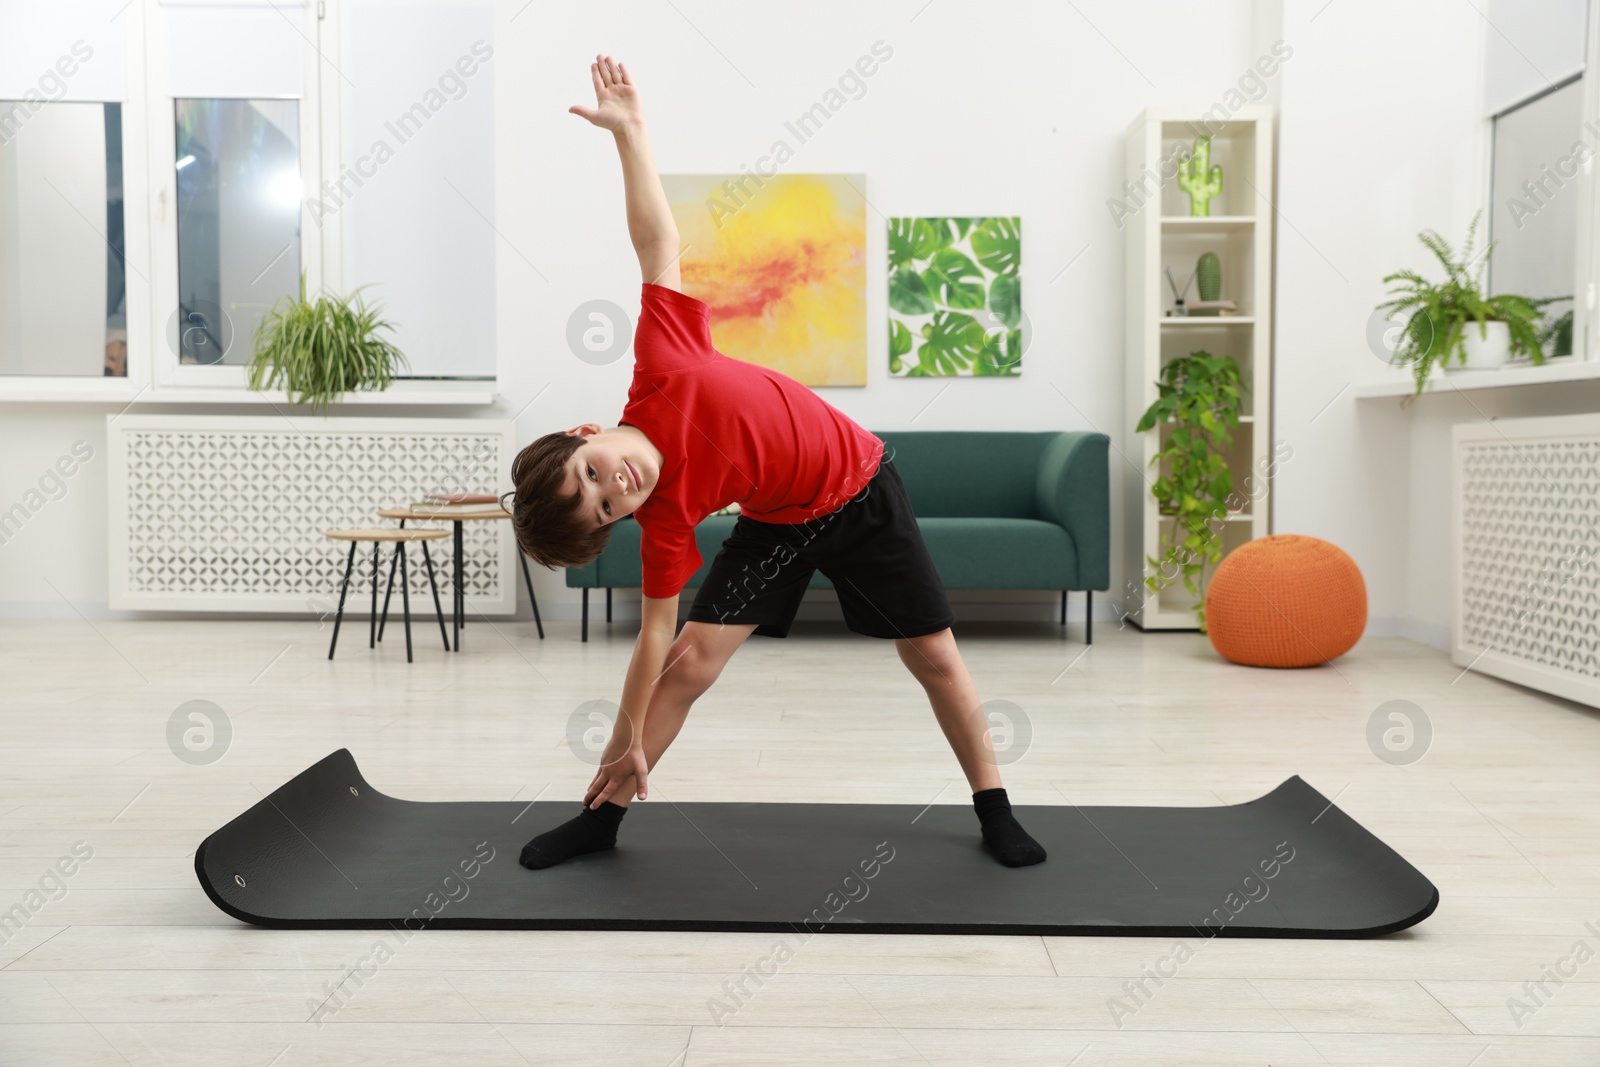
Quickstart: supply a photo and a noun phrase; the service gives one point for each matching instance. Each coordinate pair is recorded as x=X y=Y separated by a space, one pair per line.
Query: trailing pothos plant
x=318 y=350
x=1438 y=315
x=1201 y=401
x=929 y=275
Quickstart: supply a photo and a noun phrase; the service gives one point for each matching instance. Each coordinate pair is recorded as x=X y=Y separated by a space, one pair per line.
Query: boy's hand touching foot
x=614 y=773
x=616 y=100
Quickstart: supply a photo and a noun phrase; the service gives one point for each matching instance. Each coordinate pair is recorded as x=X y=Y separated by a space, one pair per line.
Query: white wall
x=1370 y=153
x=1021 y=113
x=1381 y=137
x=1019 y=109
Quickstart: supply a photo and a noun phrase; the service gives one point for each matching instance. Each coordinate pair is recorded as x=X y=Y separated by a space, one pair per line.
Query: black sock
x=1002 y=834
x=589 y=831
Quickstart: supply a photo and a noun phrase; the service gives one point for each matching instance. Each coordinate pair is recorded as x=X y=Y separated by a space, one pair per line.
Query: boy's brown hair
x=552 y=526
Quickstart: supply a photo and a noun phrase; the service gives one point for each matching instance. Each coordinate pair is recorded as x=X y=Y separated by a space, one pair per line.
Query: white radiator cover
x=226 y=513
x=1526 y=537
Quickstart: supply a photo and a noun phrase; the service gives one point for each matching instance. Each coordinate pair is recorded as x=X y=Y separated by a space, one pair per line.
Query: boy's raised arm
x=650 y=223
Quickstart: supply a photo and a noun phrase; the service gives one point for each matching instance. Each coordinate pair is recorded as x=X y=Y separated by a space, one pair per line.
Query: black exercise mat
x=328 y=850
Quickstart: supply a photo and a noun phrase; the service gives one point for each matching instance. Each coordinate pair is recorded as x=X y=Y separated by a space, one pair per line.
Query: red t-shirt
x=728 y=431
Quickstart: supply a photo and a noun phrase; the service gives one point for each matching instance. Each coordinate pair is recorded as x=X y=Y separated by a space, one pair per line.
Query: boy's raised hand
x=616 y=100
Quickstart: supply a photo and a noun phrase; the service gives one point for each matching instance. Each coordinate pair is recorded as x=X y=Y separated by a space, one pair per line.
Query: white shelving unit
x=1162 y=234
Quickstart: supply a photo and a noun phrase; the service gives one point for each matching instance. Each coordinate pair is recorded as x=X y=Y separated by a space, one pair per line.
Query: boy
x=699 y=431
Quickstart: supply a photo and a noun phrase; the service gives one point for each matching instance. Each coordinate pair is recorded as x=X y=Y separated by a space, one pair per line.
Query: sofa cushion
x=966 y=474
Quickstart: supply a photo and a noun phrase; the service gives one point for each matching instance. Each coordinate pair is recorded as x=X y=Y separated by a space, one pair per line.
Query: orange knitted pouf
x=1286 y=601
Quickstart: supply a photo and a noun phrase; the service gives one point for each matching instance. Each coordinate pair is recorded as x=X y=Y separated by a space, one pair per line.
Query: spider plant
x=318 y=350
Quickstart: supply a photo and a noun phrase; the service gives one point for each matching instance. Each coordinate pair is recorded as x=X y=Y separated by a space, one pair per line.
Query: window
x=417 y=128
x=238 y=219
x=71 y=298
x=343 y=144
x=1536 y=194
x=1536 y=96
x=63 y=286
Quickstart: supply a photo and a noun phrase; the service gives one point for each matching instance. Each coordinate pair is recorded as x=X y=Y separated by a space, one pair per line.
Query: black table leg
x=585 y=613
x=608 y=603
x=434 y=585
x=1063 y=607
x=1088 y=616
x=372 y=620
x=461 y=596
x=405 y=595
x=344 y=587
x=388 y=591
x=531 y=598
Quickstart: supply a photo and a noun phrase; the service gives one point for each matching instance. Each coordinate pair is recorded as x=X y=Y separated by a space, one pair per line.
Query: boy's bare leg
x=694 y=660
x=936 y=663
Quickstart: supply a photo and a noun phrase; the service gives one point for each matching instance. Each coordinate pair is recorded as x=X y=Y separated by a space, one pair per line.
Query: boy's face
x=612 y=471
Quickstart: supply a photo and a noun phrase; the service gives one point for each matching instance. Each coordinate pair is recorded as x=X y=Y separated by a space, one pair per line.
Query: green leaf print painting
x=955 y=297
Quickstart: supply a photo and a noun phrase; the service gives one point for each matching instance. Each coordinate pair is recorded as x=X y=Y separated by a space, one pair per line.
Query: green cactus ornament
x=1200 y=178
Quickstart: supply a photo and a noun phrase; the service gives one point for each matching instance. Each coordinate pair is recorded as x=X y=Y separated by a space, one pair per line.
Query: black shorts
x=870 y=549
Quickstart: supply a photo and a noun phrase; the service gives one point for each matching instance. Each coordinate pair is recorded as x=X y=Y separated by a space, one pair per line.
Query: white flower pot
x=1486 y=353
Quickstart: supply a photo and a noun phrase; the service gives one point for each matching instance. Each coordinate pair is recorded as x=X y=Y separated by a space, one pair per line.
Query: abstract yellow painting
x=782 y=262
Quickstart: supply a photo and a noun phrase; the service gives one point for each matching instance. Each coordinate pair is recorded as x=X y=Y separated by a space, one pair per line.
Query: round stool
x=1286 y=601
x=399 y=538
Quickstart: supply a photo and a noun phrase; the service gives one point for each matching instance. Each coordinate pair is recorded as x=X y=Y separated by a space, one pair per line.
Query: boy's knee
x=934 y=656
x=688 y=665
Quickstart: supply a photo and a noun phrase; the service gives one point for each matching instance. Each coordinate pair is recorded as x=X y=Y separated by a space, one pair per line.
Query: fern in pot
x=318 y=350
x=1454 y=319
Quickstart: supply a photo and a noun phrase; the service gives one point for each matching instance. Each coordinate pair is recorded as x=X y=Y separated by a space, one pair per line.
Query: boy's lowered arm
x=624 y=765
x=650 y=223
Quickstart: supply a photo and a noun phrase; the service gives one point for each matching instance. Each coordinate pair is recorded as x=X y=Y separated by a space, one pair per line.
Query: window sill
x=105 y=391
x=1562 y=369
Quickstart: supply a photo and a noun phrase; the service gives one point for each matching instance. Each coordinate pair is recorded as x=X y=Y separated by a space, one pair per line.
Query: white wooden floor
x=133 y=965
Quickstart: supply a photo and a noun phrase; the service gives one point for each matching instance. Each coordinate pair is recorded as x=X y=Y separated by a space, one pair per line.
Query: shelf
x=1208 y=222
x=1564 y=369
x=1232 y=516
x=103 y=391
x=1164 y=246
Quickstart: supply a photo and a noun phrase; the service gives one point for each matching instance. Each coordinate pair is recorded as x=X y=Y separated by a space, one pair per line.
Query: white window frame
x=1586 y=254
x=163 y=190
x=135 y=250
x=150 y=244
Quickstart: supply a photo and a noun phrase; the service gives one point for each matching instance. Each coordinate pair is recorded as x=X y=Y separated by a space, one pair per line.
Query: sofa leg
x=608 y=603
x=585 y=628
x=1088 y=616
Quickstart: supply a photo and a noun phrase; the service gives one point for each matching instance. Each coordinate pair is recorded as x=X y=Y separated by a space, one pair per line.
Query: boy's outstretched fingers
x=616 y=99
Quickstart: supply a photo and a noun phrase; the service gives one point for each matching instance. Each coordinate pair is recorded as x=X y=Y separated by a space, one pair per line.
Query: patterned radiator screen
x=1526 y=541
x=223 y=513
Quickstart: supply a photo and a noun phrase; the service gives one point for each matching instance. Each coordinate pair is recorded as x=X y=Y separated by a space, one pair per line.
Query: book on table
x=447 y=511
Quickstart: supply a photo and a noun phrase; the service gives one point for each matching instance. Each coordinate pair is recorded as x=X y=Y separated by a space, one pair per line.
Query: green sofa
x=999 y=510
